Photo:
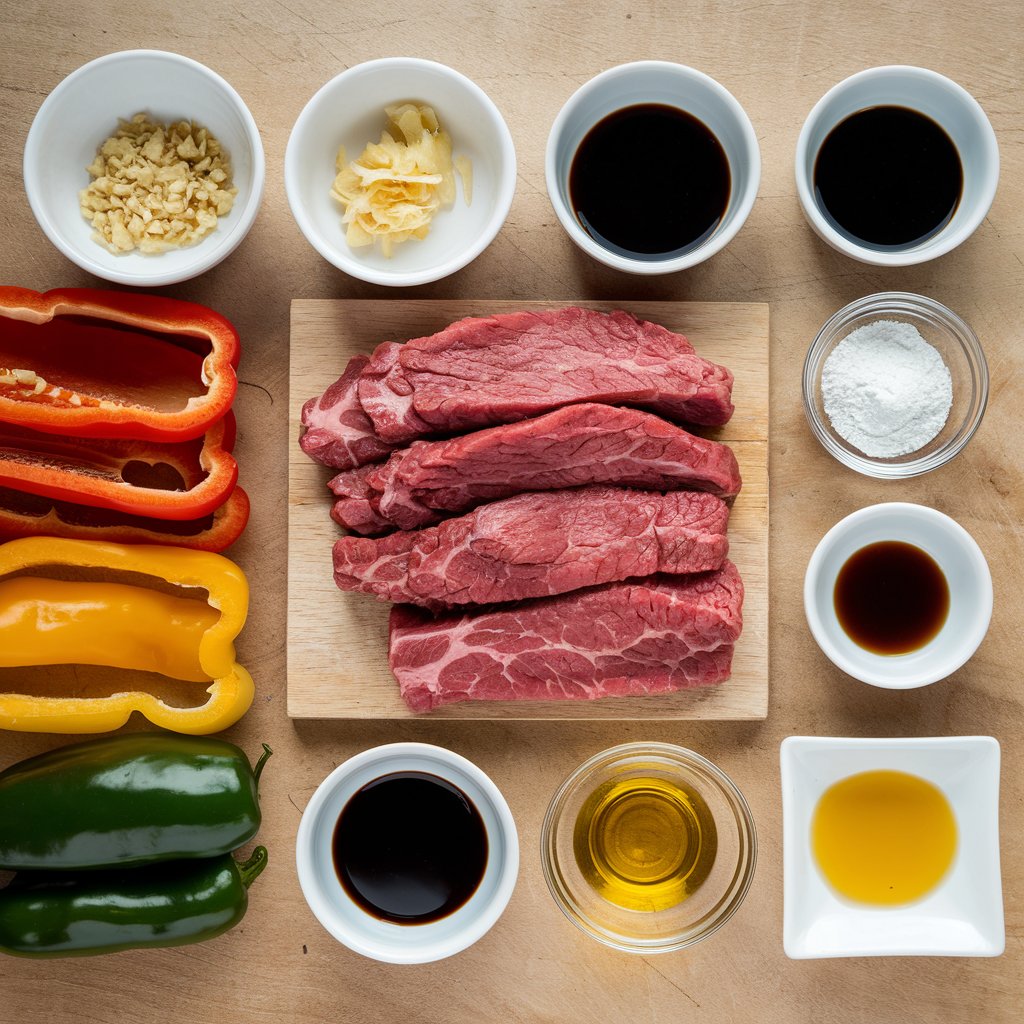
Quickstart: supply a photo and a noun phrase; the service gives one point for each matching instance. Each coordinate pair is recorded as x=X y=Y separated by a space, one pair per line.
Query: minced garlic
x=157 y=187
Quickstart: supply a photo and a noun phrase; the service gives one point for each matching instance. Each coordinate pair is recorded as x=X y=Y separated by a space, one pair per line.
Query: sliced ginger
x=394 y=188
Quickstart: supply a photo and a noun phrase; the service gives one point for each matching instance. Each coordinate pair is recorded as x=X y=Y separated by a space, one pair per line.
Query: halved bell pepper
x=161 y=480
x=28 y=515
x=116 y=621
x=89 y=363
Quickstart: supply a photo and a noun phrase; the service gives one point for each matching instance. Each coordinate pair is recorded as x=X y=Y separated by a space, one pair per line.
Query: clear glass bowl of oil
x=648 y=847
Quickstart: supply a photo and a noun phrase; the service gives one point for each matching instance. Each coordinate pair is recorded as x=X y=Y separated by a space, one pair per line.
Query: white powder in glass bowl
x=885 y=390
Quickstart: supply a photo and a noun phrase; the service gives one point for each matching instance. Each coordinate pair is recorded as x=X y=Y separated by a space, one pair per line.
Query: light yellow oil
x=645 y=843
x=883 y=837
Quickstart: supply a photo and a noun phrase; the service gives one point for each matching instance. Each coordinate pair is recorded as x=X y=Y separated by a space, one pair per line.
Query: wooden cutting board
x=337 y=642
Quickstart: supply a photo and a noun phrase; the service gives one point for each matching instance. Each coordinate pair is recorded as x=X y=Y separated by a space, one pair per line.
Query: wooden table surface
x=777 y=58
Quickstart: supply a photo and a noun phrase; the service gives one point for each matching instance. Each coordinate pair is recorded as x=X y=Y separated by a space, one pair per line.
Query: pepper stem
x=250 y=870
x=258 y=770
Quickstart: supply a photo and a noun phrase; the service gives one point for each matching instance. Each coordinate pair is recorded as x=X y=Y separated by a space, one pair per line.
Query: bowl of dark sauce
x=898 y=595
x=407 y=853
x=896 y=165
x=652 y=167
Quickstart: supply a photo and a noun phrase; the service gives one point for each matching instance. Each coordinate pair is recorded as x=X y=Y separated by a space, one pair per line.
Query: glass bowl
x=686 y=921
x=960 y=350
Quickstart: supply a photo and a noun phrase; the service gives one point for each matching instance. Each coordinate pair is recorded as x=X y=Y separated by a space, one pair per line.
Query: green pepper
x=49 y=914
x=128 y=800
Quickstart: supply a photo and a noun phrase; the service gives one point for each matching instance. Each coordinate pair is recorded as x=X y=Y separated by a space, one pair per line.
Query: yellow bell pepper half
x=48 y=621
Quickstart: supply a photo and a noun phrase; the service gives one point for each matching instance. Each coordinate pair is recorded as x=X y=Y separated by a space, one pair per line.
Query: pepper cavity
x=96 y=388
x=127 y=607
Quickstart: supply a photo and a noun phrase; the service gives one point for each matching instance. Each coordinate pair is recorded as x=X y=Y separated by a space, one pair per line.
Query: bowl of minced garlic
x=144 y=168
x=895 y=385
x=400 y=171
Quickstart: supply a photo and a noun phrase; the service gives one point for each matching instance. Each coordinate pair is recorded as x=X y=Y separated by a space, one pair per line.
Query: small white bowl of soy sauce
x=652 y=167
x=896 y=166
x=898 y=595
x=407 y=853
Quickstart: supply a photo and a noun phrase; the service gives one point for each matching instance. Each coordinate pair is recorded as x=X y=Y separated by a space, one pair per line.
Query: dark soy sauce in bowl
x=410 y=847
x=649 y=182
x=891 y=597
x=888 y=177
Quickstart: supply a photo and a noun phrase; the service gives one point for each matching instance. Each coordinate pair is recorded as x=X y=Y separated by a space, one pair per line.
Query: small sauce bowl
x=673 y=85
x=961 y=562
x=384 y=940
x=948 y=105
x=962 y=916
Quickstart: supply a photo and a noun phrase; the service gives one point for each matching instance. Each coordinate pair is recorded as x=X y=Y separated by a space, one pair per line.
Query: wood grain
x=777 y=58
x=337 y=642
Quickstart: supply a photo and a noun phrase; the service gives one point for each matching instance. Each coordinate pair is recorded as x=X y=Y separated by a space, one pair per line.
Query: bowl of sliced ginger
x=400 y=171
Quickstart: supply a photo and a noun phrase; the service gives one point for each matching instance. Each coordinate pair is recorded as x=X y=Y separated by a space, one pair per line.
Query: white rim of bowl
x=232 y=238
x=944 y=241
x=738 y=805
x=717 y=241
x=899 y=303
x=911 y=681
x=442 y=757
x=503 y=200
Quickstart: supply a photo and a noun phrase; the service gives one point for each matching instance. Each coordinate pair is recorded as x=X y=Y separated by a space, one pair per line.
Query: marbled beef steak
x=483 y=371
x=570 y=447
x=538 y=544
x=649 y=636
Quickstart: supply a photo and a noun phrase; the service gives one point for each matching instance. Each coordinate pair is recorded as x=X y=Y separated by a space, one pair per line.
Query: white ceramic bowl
x=349 y=111
x=933 y=95
x=673 y=85
x=962 y=563
x=83 y=111
x=962 y=916
x=383 y=940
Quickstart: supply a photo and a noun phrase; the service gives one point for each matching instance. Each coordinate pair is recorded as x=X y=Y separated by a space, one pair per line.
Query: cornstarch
x=885 y=390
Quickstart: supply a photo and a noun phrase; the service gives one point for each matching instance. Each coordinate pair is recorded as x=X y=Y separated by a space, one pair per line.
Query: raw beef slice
x=500 y=369
x=621 y=639
x=580 y=444
x=535 y=545
x=336 y=430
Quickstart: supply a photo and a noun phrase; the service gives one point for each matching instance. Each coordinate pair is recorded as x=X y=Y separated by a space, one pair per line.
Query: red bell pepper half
x=182 y=480
x=87 y=363
x=27 y=515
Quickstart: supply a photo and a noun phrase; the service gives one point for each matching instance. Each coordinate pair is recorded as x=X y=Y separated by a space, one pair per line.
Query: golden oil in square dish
x=883 y=837
x=645 y=843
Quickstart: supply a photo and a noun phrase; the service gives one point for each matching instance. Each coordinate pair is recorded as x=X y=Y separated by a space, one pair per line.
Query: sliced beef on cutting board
x=357 y=506
x=650 y=636
x=482 y=371
x=337 y=431
x=538 y=544
x=570 y=447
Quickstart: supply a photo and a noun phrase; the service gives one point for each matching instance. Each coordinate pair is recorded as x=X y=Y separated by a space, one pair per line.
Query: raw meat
x=357 y=506
x=337 y=431
x=534 y=545
x=580 y=444
x=621 y=639
x=500 y=369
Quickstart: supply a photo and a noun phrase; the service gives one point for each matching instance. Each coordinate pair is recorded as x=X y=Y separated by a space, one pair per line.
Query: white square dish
x=962 y=916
